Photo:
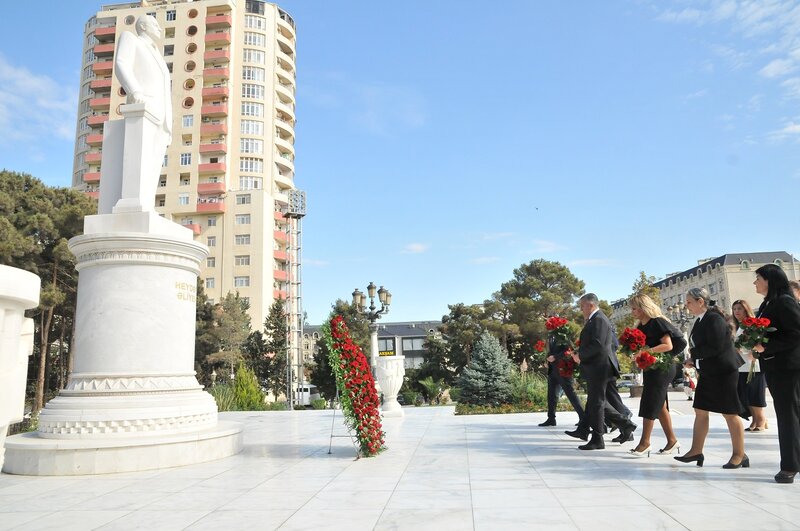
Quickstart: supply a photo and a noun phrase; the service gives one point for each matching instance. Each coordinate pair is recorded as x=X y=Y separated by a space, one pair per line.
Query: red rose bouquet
x=566 y=365
x=754 y=332
x=558 y=328
x=647 y=361
x=356 y=386
x=632 y=340
x=539 y=346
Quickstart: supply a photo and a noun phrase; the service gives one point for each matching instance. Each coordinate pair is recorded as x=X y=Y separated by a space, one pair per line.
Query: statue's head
x=147 y=25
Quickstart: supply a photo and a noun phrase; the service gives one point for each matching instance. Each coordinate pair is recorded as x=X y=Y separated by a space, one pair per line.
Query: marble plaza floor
x=440 y=472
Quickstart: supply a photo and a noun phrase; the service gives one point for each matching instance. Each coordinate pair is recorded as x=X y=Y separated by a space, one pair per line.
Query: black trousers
x=614 y=401
x=600 y=386
x=785 y=389
x=554 y=381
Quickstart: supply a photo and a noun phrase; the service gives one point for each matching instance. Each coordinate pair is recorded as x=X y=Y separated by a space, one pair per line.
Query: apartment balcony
x=284 y=126
x=103 y=67
x=218 y=38
x=282 y=57
x=97 y=120
x=279 y=294
x=105 y=34
x=91 y=177
x=211 y=207
x=287 y=42
x=281 y=256
x=216 y=73
x=100 y=104
x=279 y=236
x=94 y=140
x=277 y=274
x=286 y=92
x=284 y=181
x=215 y=93
x=284 y=145
x=284 y=161
x=104 y=50
x=217 y=56
x=213 y=129
x=101 y=84
x=94 y=156
x=212 y=148
x=279 y=215
x=285 y=109
x=287 y=78
x=218 y=21
x=210 y=188
x=211 y=167
x=286 y=22
x=214 y=111
x=94 y=195
x=194 y=227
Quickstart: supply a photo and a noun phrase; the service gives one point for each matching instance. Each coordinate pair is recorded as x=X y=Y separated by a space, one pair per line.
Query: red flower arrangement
x=566 y=365
x=647 y=361
x=539 y=346
x=559 y=329
x=356 y=386
x=754 y=331
x=644 y=360
x=632 y=340
x=554 y=323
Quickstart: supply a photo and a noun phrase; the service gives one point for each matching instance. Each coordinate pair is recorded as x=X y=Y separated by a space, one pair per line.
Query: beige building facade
x=229 y=172
x=727 y=278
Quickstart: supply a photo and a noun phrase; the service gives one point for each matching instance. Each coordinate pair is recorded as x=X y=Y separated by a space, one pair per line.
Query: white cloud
x=792 y=87
x=484 y=260
x=778 y=68
x=699 y=94
x=415 y=248
x=790 y=129
x=34 y=106
x=545 y=246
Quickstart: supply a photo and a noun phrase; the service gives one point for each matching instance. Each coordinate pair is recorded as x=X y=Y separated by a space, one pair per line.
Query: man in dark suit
x=600 y=368
x=555 y=380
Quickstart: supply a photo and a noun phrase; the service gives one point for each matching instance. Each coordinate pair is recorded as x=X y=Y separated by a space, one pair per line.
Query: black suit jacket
x=713 y=345
x=782 y=352
x=595 y=351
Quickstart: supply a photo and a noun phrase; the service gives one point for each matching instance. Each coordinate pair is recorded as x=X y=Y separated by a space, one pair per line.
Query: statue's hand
x=136 y=97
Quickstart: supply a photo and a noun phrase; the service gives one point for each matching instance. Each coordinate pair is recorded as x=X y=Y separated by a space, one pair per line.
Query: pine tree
x=276 y=332
x=486 y=380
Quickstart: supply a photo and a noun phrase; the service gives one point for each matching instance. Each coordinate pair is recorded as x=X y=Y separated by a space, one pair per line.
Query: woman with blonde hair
x=654 y=403
x=752 y=394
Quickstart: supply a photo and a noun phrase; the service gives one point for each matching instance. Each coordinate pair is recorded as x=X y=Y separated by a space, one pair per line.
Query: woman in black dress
x=780 y=362
x=716 y=359
x=654 y=404
x=752 y=394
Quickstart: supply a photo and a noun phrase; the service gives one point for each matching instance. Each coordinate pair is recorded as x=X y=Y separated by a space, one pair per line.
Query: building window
x=249 y=182
x=386 y=347
x=210 y=282
x=250 y=108
x=169 y=49
x=254 y=56
x=242 y=260
x=171 y=14
x=252 y=73
x=211 y=241
x=243 y=219
x=185 y=181
x=252 y=91
x=745 y=264
x=251 y=145
x=188 y=120
x=254 y=39
x=186 y=159
x=183 y=199
x=211 y=261
x=252 y=127
x=212 y=221
x=243 y=199
x=254 y=6
x=162 y=182
x=252 y=21
x=241 y=282
x=251 y=165
x=242 y=239
x=415 y=343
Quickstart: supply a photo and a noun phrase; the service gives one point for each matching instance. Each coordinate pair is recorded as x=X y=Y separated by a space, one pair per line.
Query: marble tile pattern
x=440 y=472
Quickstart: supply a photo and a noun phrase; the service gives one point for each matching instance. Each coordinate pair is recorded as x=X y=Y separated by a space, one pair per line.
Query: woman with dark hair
x=716 y=359
x=752 y=394
x=780 y=362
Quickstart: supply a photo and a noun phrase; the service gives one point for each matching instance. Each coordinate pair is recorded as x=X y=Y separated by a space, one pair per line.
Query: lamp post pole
x=372 y=313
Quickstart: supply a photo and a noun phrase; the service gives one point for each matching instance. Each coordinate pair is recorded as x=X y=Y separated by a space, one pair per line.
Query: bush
x=249 y=396
x=275 y=406
x=455 y=393
x=409 y=397
x=319 y=403
x=225 y=397
x=528 y=387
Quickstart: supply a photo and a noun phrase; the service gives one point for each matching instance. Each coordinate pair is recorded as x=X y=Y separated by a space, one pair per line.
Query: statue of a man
x=140 y=68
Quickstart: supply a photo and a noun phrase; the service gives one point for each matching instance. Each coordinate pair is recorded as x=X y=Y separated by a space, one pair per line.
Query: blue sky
x=443 y=144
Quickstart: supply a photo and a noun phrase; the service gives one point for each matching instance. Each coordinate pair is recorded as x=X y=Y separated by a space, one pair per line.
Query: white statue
x=134 y=155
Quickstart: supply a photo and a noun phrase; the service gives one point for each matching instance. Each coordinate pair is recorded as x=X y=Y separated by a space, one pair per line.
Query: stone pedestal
x=390 y=372
x=132 y=397
x=19 y=291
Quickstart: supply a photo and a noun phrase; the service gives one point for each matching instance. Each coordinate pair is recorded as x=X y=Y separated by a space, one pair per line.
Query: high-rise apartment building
x=229 y=172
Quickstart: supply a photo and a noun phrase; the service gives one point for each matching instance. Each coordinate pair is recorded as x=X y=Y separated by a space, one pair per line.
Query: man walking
x=600 y=368
x=555 y=380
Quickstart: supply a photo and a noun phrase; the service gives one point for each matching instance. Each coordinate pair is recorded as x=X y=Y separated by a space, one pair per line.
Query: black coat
x=713 y=345
x=595 y=351
x=782 y=352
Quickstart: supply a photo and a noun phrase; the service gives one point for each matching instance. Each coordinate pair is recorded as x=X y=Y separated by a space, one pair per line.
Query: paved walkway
x=440 y=472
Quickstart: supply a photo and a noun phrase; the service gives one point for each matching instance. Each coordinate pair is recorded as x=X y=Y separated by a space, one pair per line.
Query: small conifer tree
x=486 y=380
x=247 y=393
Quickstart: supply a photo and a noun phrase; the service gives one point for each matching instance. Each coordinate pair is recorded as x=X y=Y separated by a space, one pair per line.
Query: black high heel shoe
x=744 y=463
x=785 y=477
x=691 y=459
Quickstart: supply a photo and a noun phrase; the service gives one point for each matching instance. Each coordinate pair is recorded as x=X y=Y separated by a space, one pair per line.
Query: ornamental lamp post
x=372 y=313
x=680 y=315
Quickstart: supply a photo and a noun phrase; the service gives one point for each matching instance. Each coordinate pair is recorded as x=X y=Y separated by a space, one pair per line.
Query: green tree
x=230 y=331
x=460 y=329
x=276 y=333
x=321 y=372
x=433 y=389
x=206 y=341
x=642 y=284
x=486 y=381
x=246 y=390
x=436 y=360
